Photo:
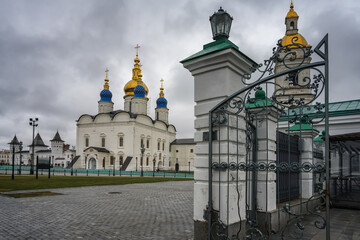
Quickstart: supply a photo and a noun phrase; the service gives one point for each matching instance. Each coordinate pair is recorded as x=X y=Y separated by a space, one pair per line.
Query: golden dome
x=131 y=85
x=292 y=13
x=287 y=40
x=136 y=78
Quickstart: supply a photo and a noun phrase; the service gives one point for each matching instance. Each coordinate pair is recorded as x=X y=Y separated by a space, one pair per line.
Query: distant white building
x=61 y=155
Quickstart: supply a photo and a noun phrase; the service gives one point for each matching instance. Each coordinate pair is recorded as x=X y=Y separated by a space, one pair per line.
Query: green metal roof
x=344 y=108
x=218 y=45
x=302 y=125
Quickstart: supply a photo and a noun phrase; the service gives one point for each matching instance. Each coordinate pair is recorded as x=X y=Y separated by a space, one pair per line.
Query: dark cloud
x=53 y=54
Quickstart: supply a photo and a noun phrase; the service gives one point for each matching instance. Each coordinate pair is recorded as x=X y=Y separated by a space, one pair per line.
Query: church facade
x=127 y=139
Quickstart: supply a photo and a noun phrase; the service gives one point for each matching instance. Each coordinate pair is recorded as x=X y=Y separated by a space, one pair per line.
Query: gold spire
x=292 y=13
x=136 y=77
x=106 y=85
x=161 y=94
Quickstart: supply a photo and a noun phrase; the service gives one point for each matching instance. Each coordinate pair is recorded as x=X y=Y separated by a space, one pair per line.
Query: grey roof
x=99 y=149
x=38 y=141
x=45 y=150
x=57 y=137
x=183 y=141
x=15 y=141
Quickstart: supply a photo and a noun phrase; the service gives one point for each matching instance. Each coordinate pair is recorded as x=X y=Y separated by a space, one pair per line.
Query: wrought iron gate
x=243 y=154
x=288 y=182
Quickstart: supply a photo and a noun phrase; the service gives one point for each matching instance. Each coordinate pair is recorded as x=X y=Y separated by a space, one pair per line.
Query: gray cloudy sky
x=53 y=53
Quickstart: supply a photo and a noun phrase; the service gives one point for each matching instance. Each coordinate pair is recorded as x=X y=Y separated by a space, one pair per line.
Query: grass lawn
x=30 y=183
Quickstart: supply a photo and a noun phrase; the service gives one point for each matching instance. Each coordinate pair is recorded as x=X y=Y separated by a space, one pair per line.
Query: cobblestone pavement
x=158 y=211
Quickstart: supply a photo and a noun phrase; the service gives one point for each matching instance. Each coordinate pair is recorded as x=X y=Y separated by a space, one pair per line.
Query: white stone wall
x=183 y=154
x=132 y=130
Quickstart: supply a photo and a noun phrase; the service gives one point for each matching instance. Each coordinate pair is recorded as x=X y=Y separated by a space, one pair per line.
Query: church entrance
x=92 y=163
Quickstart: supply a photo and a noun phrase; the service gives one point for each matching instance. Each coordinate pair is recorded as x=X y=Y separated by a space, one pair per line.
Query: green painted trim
x=216 y=46
x=259 y=103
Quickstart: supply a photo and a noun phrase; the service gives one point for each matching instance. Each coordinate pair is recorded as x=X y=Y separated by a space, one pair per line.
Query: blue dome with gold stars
x=139 y=91
x=105 y=95
x=161 y=102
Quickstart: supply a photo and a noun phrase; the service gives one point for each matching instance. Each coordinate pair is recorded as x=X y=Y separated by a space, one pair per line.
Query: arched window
x=87 y=142
x=121 y=160
x=121 y=141
x=147 y=143
x=292 y=26
x=111 y=160
x=142 y=142
x=158 y=145
x=102 y=142
x=163 y=146
x=147 y=161
x=159 y=156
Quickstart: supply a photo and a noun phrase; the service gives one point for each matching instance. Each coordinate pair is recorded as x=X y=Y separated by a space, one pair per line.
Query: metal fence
x=6 y=170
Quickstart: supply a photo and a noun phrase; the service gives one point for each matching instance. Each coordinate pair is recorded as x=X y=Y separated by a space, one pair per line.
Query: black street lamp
x=20 y=149
x=13 y=145
x=154 y=167
x=142 y=149
x=32 y=122
x=189 y=167
x=220 y=24
x=136 y=165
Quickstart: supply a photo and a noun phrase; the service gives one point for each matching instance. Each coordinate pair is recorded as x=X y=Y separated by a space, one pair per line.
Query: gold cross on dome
x=137 y=49
x=106 y=71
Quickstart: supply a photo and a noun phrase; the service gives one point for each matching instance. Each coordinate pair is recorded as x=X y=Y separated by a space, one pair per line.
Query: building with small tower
x=113 y=139
x=288 y=88
x=60 y=153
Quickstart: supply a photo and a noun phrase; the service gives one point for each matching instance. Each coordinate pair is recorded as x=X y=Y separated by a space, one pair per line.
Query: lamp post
x=136 y=165
x=142 y=149
x=20 y=149
x=154 y=167
x=220 y=24
x=189 y=167
x=113 y=160
x=32 y=122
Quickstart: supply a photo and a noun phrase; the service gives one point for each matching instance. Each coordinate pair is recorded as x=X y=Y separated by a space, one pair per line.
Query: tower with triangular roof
x=57 y=146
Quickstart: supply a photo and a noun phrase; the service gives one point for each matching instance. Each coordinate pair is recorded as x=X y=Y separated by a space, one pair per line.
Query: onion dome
x=106 y=95
x=139 y=91
x=294 y=38
x=161 y=102
x=292 y=13
x=292 y=35
x=136 y=78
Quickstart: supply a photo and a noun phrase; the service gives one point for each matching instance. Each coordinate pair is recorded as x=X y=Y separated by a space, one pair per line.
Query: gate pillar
x=265 y=116
x=218 y=71
x=306 y=133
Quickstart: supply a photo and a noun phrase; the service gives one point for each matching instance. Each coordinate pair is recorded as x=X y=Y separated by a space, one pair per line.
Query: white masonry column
x=306 y=134
x=217 y=72
x=307 y=178
x=266 y=125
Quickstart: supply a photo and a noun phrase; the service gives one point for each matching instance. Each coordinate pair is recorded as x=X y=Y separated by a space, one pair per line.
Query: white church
x=130 y=139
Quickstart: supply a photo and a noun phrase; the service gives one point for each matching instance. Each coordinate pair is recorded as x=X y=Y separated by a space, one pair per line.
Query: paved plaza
x=158 y=211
